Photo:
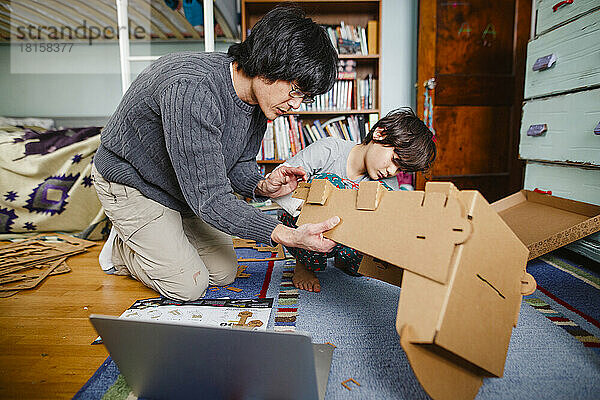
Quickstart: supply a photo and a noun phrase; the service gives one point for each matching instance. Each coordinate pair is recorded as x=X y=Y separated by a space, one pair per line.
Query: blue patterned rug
x=553 y=353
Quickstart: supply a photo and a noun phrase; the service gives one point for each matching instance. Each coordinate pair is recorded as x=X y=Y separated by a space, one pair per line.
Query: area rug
x=552 y=353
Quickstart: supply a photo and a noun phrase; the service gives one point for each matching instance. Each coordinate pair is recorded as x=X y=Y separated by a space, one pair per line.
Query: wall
x=77 y=95
x=399 y=50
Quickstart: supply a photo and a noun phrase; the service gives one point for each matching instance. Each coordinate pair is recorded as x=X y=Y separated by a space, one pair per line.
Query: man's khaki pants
x=178 y=257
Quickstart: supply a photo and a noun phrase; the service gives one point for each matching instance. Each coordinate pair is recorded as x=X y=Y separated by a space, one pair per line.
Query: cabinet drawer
x=576 y=47
x=573 y=183
x=548 y=18
x=570 y=121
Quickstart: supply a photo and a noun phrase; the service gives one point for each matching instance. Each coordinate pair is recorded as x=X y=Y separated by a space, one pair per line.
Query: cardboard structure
x=460 y=262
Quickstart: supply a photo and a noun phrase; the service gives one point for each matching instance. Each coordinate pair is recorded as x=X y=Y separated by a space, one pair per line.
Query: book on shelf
x=372 y=37
x=351 y=39
x=320 y=129
x=289 y=134
x=362 y=127
x=268 y=147
x=347 y=93
x=332 y=128
x=344 y=97
x=299 y=132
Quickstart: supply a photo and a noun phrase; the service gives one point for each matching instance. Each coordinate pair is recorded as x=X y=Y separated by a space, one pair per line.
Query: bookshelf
x=367 y=65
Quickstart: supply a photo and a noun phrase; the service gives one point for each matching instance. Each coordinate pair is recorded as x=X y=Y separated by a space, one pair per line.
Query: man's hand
x=280 y=182
x=307 y=236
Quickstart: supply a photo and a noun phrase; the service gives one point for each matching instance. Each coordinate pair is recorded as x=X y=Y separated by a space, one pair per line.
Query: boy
x=398 y=142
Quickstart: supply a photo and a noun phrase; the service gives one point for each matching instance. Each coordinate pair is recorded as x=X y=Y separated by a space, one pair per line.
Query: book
x=373 y=118
x=347 y=39
x=290 y=135
x=356 y=129
x=282 y=138
x=372 y=37
x=310 y=132
x=331 y=131
x=361 y=127
x=349 y=94
x=344 y=130
x=363 y=41
x=267 y=148
x=300 y=134
x=346 y=46
x=307 y=137
x=367 y=93
x=320 y=129
x=315 y=132
x=351 y=128
x=333 y=120
x=293 y=119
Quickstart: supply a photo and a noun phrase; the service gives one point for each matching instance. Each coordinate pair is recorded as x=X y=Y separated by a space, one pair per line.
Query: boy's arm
x=289 y=204
x=311 y=159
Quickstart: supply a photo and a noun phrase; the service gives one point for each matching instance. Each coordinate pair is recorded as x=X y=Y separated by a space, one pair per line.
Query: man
x=186 y=135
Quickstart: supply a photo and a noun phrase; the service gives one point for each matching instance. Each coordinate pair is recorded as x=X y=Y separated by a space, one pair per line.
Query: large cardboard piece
x=461 y=263
x=545 y=223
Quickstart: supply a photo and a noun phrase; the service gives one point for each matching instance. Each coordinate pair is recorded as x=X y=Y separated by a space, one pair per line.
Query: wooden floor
x=45 y=334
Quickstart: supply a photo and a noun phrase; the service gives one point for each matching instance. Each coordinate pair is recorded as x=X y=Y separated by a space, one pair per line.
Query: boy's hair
x=412 y=141
x=286 y=45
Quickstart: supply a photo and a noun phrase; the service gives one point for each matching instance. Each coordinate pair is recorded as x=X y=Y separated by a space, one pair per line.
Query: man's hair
x=286 y=45
x=412 y=141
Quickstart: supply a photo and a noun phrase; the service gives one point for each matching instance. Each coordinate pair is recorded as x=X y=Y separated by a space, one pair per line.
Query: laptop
x=173 y=360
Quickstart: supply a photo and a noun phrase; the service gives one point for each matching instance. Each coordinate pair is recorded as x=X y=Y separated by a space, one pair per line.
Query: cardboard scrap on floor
x=251 y=244
x=241 y=272
x=25 y=264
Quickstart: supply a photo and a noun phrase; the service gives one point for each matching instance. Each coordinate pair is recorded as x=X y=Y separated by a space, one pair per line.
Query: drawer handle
x=597 y=129
x=561 y=4
x=537 y=129
x=543 y=191
x=545 y=62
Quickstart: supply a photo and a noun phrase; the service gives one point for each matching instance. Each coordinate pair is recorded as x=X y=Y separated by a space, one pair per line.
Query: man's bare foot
x=305 y=279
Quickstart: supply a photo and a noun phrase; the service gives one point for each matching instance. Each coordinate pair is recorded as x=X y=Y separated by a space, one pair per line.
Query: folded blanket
x=45 y=180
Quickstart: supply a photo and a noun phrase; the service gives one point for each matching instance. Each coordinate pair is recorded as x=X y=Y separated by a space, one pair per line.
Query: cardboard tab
x=320 y=190
x=528 y=284
x=379 y=269
x=447 y=188
x=369 y=195
x=301 y=191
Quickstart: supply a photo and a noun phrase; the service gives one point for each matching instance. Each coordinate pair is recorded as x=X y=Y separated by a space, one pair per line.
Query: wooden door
x=475 y=51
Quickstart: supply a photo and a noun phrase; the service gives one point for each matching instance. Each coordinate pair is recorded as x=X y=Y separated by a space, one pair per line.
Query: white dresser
x=560 y=127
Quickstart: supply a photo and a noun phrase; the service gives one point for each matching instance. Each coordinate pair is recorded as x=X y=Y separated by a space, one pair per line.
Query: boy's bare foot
x=305 y=279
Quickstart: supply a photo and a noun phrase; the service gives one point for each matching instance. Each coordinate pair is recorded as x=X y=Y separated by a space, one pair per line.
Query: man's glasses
x=297 y=93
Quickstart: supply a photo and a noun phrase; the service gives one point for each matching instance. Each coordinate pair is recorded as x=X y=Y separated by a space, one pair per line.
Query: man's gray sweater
x=183 y=138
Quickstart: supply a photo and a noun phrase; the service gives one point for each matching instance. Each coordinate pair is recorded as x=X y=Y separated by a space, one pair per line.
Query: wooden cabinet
x=356 y=13
x=560 y=138
x=471 y=58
